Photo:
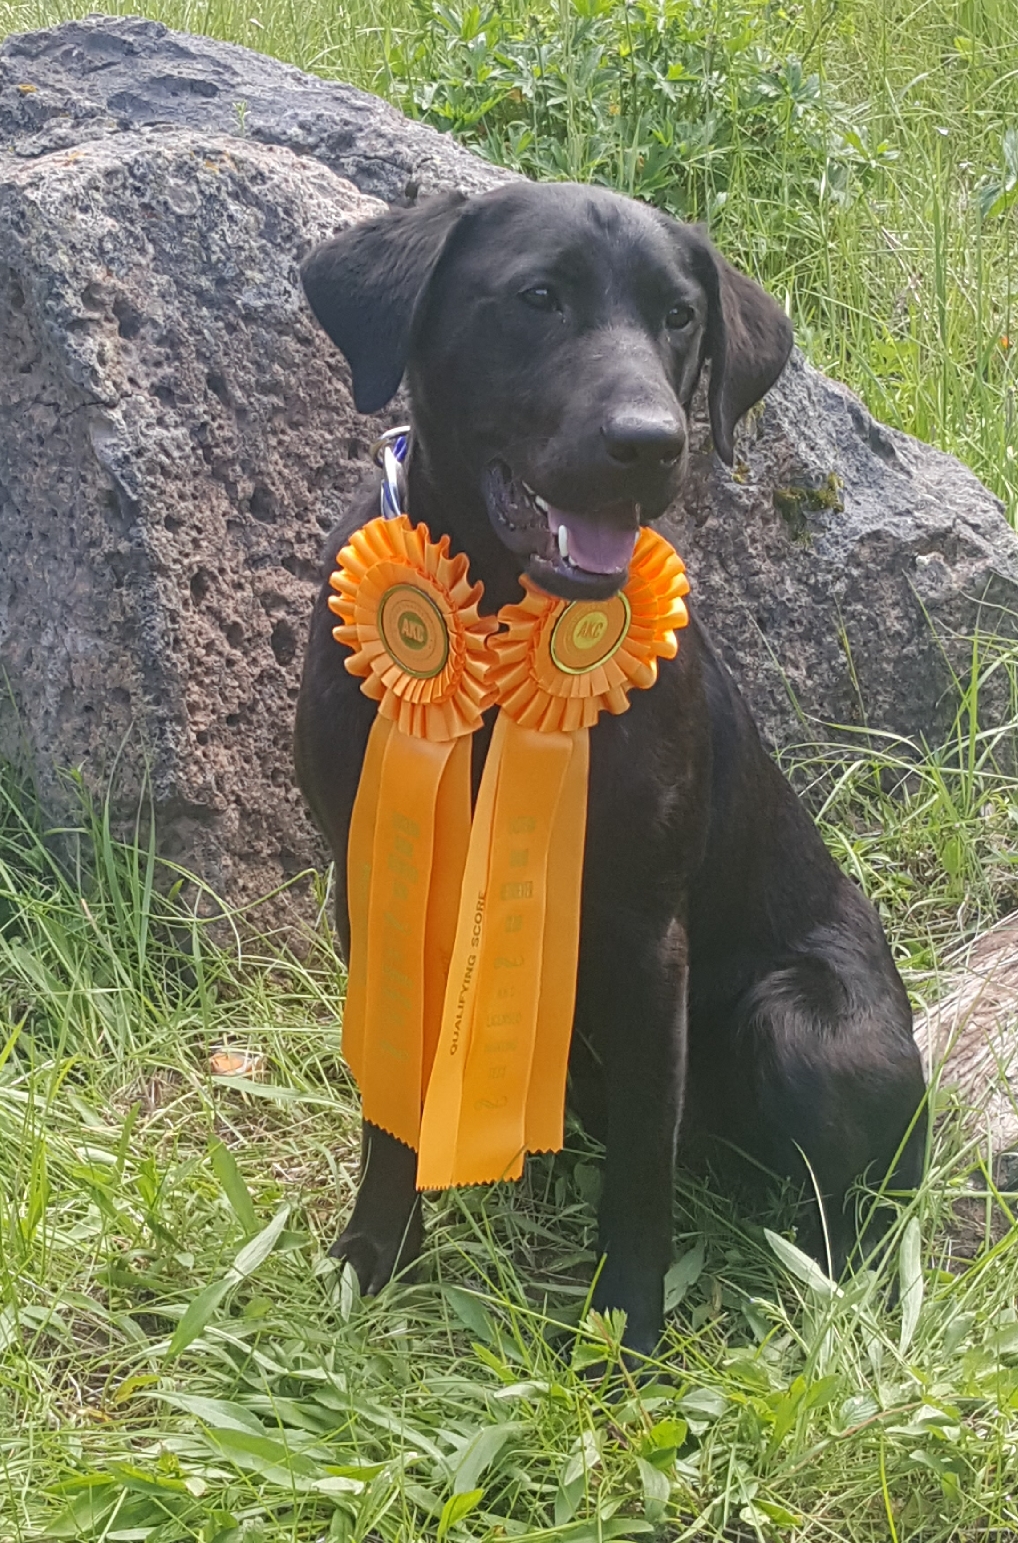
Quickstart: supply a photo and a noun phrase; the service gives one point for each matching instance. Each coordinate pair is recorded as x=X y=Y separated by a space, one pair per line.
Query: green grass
x=179 y=1360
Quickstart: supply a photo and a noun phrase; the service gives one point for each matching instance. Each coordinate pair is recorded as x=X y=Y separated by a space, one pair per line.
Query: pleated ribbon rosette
x=464 y=928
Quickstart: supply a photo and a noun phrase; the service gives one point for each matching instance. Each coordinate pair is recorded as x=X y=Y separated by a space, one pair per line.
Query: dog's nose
x=644 y=439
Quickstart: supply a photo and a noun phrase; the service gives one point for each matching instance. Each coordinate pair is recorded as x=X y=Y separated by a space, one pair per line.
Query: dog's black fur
x=730 y=976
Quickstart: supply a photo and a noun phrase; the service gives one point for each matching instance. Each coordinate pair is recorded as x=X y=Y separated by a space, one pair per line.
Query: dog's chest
x=647 y=796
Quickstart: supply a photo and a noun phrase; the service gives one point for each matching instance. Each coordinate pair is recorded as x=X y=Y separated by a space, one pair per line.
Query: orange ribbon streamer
x=512 y=982
x=465 y=932
x=405 y=857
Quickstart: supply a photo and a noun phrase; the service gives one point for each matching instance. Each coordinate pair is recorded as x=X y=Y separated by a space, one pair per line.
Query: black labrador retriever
x=730 y=976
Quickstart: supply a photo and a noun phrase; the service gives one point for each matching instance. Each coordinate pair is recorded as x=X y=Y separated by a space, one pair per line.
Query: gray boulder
x=176 y=435
x=89 y=79
x=843 y=566
x=175 y=440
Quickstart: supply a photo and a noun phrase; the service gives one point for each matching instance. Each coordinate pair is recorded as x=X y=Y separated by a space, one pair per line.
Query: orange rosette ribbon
x=465 y=931
x=559 y=664
x=409 y=614
x=497 y=1087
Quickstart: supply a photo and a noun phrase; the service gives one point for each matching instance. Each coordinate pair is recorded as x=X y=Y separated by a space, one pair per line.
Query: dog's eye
x=541 y=298
x=678 y=317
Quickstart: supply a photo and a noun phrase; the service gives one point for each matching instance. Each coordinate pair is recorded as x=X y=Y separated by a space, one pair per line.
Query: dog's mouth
x=570 y=554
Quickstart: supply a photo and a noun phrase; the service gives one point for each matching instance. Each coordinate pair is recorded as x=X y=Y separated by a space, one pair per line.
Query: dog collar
x=389 y=452
x=464 y=927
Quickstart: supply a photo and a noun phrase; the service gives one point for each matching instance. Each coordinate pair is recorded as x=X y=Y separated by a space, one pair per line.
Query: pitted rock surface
x=174 y=442
x=176 y=436
x=103 y=75
x=843 y=566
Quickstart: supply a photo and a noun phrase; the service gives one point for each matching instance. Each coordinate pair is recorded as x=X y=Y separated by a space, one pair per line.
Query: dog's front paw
x=643 y=1339
x=376 y=1260
x=640 y=1297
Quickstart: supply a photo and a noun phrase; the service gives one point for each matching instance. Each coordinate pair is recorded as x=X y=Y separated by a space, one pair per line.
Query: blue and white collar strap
x=390 y=452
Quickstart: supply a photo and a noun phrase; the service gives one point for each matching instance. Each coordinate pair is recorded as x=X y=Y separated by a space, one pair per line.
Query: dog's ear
x=749 y=339
x=364 y=285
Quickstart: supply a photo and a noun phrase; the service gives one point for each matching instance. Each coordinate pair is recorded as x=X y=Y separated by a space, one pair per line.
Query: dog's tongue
x=593 y=545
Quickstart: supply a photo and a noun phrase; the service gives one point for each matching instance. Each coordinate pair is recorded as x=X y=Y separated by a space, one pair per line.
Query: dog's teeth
x=563 y=542
x=528 y=489
x=542 y=503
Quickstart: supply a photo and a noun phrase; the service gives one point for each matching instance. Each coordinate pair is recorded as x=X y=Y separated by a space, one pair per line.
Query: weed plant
x=862 y=160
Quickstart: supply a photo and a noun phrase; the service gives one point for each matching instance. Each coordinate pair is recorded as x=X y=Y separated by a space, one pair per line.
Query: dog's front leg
x=385 y=1232
x=634 y=997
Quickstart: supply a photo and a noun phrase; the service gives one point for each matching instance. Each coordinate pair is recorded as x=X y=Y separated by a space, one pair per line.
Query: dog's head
x=552 y=336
